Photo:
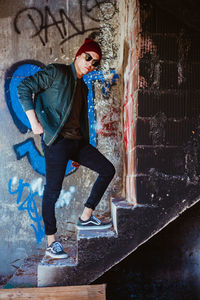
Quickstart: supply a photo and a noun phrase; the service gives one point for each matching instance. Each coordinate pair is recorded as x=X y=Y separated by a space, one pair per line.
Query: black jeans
x=56 y=159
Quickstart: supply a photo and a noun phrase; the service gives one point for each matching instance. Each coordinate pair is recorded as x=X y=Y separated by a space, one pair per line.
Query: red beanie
x=89 y=45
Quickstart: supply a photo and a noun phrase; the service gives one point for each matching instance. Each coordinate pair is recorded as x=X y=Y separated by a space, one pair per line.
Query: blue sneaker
x=56 y=250
x=93 y=223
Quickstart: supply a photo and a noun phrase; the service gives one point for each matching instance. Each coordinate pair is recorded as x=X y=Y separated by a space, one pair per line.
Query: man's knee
x=110 y=170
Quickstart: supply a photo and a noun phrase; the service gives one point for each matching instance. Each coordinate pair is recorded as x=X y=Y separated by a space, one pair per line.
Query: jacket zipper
x=64 y=119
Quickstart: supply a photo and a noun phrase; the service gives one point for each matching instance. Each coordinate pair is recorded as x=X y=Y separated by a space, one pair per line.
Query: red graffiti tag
x=109 y=123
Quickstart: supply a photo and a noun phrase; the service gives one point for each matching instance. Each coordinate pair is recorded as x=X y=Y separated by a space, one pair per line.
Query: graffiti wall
x=34 y=35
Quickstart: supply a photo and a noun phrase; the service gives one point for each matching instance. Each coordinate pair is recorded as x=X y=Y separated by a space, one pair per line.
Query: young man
x=59 y=113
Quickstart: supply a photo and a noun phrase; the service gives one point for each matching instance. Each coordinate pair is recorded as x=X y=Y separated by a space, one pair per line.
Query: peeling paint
x=65 y=197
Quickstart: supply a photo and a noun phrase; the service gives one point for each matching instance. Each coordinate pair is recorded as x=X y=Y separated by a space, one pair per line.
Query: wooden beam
x=82 y=292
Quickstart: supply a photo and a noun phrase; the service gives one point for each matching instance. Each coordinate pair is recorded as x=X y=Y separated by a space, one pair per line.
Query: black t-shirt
x=71 y=129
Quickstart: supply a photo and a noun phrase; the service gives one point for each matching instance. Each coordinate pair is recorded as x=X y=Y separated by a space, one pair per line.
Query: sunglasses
x=95 y=62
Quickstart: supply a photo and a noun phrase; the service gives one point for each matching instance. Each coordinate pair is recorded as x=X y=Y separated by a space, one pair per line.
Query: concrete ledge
x=90 y=234
x=115 y=205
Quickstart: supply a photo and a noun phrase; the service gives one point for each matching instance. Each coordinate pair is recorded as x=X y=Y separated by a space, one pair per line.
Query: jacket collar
x=73 y=70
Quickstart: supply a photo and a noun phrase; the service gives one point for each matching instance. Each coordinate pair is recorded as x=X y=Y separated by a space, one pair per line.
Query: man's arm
x=37 y=83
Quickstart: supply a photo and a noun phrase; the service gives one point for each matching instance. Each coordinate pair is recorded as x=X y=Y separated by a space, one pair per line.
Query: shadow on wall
x=186 y=11
x=125 y=56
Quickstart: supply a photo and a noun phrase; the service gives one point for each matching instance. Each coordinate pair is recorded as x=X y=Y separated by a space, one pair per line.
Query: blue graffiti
x=106 y=86
x=36 y=160
x=13 y=77
x=99 y=76
x=29 y=205
x=28 y=148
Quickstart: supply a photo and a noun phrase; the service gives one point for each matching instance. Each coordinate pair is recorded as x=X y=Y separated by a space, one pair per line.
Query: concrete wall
x=34 y=34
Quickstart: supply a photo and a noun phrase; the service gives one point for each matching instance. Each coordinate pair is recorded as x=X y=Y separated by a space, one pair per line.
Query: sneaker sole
x=56 y=255
x=93 y=227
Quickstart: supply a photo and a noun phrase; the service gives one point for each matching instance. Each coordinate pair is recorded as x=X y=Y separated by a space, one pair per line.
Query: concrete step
x=91 y=250
x=97 y=251
x=26 y=275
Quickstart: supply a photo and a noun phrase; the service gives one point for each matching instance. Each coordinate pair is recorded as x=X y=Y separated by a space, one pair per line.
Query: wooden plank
x=82 y=292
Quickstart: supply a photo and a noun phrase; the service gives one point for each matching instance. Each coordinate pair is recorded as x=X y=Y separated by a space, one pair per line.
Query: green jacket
x=53 y=88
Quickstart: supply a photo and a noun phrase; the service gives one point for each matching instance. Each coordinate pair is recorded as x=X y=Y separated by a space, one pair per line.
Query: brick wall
x=161 y=108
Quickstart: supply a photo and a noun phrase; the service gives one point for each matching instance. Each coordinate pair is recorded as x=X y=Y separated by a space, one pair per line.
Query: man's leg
x=91 y=158
x=56 y=158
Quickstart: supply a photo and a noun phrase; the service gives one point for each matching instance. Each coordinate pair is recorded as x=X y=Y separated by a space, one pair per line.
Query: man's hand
x=37 y=128
x=35 y=124
x=75 y=164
